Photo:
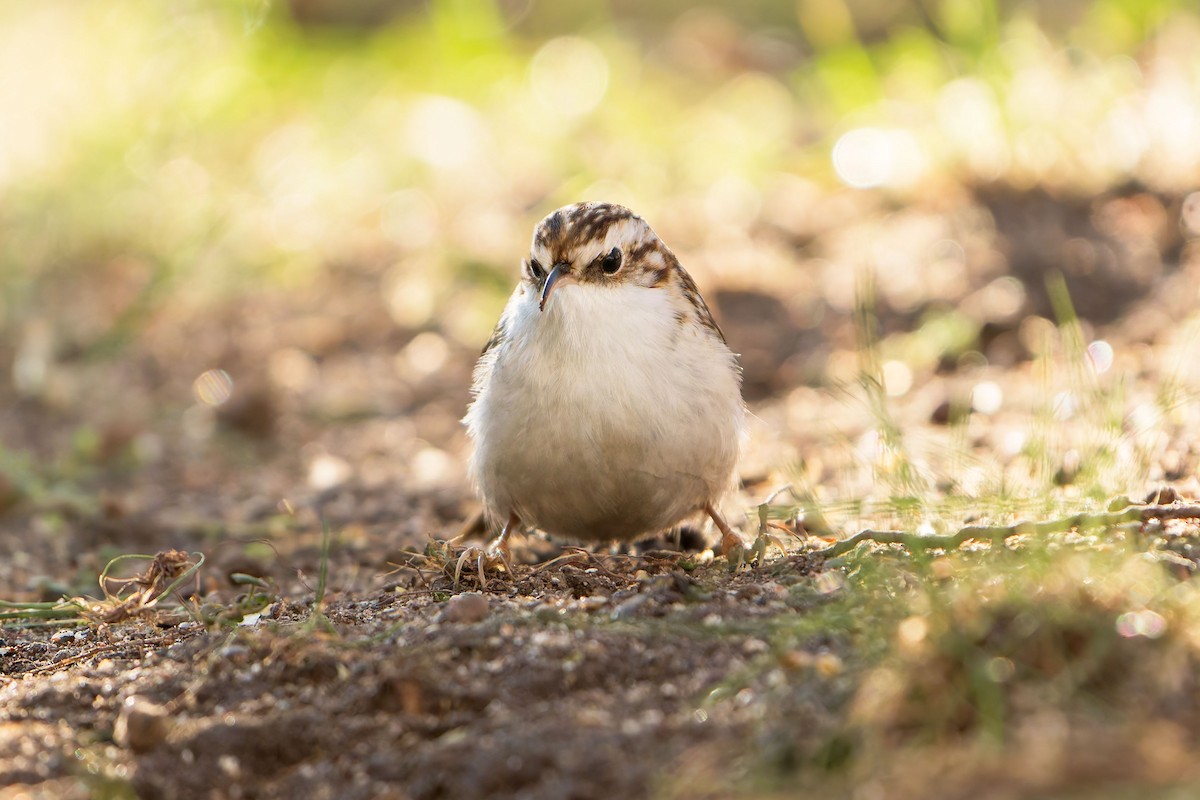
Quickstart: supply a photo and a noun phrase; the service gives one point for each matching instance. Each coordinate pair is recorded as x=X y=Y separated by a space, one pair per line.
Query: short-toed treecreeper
x=607 y=404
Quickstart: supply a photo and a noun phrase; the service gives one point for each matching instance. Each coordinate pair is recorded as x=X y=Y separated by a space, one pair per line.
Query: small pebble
x=796 y=659
x=466 y=608
x=630 y=607
x=593 y=602
x=141 y=725
x=828 y=665
x=755 y=646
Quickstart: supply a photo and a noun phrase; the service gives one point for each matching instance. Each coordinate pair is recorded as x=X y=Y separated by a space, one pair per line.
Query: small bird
x=607 y=405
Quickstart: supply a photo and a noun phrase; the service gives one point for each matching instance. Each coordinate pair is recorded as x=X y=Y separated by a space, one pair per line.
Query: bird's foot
x=762 y=543
x=482 y=559
x=494 y=556
x=736 y=553
x=732 y=546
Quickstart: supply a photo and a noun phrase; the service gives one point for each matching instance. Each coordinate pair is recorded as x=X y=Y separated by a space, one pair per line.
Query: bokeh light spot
x=1003 y=298
x=1100 y=355
x=409 y=297
x=425 y=354
x=1013 y=442
x=912 y=632
x=869 y=157
x=897 y=378
x=1145 y=623
x=1000 y=669
x=444 y=132
x=326 y=471
x=432 y=466
x=569 y=76
x=213 y=387
x=987 y=397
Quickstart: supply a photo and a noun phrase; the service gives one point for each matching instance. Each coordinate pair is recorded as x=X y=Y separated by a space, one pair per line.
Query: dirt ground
x=658 y=672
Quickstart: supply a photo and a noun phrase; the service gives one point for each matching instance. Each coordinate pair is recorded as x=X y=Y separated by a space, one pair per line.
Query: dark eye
x=535 y=269
x=611 y=262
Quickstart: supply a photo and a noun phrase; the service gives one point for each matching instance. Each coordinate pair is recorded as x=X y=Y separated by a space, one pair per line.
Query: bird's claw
x=491 y=557
x=764 y=542
x=737 y=555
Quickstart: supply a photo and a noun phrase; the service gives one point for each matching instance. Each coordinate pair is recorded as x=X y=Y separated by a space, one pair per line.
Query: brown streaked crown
x=563 y=233
x=581 y=235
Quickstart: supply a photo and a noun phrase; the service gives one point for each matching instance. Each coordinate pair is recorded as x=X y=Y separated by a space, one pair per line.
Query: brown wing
x=692 y=295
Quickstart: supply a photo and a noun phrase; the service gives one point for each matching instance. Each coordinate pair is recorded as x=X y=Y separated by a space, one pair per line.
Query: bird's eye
x=611 y=262
x=535 y=269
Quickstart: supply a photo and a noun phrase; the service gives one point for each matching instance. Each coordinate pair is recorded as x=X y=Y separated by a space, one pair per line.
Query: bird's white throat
x=594 y=331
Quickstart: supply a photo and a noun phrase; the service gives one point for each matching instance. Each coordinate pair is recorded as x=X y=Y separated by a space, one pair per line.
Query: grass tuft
x=124 y=598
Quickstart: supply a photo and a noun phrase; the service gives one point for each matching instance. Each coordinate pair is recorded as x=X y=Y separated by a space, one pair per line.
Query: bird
x=607 y=405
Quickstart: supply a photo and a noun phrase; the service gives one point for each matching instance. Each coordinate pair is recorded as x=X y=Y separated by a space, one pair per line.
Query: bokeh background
x=249 y=252
x=250 y=249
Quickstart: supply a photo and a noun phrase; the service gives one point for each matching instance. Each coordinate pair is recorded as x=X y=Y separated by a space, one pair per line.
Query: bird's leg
x=731 y=543
x=497 y=551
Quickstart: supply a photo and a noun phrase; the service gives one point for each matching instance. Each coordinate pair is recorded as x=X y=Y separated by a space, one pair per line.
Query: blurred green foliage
x=187 y=148
x=978 y=660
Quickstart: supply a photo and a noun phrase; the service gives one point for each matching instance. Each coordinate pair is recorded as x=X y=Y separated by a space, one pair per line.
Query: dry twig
x=997 y=534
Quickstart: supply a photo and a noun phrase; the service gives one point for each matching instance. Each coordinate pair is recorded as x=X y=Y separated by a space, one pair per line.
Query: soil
x=583 y=674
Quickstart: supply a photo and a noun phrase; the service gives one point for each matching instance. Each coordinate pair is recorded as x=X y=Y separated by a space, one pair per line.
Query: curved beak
x=559 y=271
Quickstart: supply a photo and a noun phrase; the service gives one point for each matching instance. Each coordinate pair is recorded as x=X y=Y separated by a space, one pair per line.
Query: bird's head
x=598 y=244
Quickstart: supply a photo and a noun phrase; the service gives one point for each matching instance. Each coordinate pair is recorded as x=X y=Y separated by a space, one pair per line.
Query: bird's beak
x=559 y=271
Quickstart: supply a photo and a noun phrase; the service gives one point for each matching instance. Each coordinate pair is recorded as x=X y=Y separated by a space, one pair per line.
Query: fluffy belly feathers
x=618 y=433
